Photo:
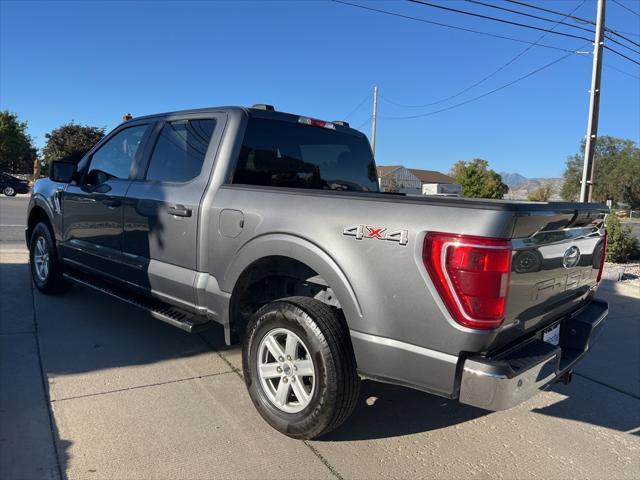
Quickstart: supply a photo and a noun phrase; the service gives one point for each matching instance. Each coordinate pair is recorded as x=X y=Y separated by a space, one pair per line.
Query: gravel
x=625 y=272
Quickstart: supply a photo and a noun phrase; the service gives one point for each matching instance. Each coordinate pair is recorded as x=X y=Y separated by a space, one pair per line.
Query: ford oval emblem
x=571 y=257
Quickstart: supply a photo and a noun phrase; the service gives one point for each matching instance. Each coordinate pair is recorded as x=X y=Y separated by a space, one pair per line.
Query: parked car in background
x=10 y=185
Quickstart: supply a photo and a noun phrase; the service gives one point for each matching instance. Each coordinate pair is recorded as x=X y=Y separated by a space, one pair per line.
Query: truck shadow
x=386 y=410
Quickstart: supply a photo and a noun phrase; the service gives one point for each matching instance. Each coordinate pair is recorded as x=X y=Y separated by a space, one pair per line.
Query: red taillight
x=471 y=275
x=602 y=257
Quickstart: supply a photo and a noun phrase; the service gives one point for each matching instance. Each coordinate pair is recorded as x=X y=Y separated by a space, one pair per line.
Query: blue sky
x=92 y=61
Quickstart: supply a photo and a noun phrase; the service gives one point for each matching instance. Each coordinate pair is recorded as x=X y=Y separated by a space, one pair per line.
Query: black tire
x=53 y=282
x=9 y=191
x=326 y=337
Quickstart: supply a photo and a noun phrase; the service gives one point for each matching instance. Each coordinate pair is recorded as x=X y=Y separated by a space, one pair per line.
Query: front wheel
x=9 y=191
x=46 y=270
x=299 y=367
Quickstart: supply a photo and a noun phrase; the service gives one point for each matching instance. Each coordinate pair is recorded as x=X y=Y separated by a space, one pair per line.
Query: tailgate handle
x=180 y=211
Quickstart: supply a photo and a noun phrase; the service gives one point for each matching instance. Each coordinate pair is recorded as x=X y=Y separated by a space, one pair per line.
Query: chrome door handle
x=179 y=211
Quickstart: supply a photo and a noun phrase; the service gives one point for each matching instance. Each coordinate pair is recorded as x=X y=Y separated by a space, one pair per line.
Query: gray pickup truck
x=273 y=226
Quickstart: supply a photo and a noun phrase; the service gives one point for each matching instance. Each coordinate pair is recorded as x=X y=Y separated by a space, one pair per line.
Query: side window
x=113 y=160
x=180 y=150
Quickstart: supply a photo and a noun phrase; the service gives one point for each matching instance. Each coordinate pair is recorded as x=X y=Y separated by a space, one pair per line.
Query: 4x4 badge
x=378 y=233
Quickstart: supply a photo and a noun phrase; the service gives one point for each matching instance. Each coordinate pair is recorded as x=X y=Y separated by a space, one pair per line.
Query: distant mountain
x=520 y=186
x=513 y=179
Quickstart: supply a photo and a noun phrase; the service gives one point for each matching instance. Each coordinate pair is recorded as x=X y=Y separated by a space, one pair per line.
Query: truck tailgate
x=554 y=266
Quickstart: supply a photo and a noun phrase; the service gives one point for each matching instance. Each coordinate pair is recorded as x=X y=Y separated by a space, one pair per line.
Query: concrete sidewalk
x=126 y=396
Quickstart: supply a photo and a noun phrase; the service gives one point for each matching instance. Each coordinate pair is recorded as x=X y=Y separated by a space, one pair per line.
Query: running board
x=177 y=317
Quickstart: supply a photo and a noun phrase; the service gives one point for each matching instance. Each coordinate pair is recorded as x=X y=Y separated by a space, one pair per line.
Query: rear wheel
x=299 y=367
x=9 y=191
x=43 y=260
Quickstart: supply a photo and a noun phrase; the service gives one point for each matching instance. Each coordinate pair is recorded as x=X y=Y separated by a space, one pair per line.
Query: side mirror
x=62 y=171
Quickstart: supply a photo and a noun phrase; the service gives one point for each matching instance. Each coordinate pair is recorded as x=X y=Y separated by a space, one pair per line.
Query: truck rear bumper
x=503 y=381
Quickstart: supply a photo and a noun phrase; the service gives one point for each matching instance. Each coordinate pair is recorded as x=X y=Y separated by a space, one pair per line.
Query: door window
x=113 y=160
x=180 y=150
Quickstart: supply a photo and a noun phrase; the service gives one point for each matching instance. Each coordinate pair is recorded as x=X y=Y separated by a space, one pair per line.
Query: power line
x=364 y=123
x=561 y=22
x=626 y=8
x=502 y=87
x=577 y=19
x=535 y=7
x=358 y=106
x=487 y=77
x=622 y=36
x=454 y=27
x=622 y=55
x=464 y=12
x=496 y=19
x=621 y=71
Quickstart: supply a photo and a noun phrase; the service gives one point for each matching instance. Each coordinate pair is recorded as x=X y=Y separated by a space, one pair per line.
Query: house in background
x=417 y=182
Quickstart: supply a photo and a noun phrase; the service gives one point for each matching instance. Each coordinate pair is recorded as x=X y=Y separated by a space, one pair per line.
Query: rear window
x=180 y=150
x=285 y=154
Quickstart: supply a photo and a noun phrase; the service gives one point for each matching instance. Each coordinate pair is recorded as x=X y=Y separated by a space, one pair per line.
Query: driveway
x=93 y=388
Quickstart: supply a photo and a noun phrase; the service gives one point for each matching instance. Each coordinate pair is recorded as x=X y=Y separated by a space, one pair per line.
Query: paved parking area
x=94 y=388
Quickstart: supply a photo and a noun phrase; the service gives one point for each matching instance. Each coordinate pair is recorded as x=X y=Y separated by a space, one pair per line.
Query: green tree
x=17 y=152
x=478 y=180
x=70 y=142
x=620 y=241
x=617 y=172
x=542 y=194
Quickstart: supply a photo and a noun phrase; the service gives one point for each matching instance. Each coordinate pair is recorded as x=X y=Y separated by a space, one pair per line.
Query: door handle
x=112 y=203
x=180 y=211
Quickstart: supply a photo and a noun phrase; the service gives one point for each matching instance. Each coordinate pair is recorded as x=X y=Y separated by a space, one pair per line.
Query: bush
x=620 y=242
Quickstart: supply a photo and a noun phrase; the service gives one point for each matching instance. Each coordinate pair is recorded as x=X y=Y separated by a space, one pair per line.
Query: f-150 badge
x=377 y=233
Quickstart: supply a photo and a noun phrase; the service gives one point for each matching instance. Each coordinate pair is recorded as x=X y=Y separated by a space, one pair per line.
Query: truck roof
x=252 y=111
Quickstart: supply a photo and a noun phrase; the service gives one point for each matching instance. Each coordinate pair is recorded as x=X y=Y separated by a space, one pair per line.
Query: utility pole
x=373 y=119
x=586 y=187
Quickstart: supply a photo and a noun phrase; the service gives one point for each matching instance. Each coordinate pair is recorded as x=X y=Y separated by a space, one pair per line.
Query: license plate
x=552 y=335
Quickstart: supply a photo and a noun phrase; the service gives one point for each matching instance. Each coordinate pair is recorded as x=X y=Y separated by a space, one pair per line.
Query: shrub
x=620 y=241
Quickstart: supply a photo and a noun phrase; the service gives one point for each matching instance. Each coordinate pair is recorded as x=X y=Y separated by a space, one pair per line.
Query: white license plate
x=552 y=335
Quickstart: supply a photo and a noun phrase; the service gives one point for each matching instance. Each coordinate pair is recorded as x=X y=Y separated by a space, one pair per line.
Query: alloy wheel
x=286 y=370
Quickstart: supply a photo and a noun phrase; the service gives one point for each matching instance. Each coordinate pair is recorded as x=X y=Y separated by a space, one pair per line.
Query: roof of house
x=431 y=176
x=425 y=176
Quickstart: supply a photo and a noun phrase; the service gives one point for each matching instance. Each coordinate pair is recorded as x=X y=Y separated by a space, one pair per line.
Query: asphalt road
x=93 y=388
x=13 y=211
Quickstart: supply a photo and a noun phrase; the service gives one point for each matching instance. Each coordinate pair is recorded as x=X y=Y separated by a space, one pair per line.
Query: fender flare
x=302 y=250
x=38 y=200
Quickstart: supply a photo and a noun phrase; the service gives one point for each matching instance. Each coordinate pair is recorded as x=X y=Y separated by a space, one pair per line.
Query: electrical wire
x=621 y=71
x=454 y=27
x=496 y=19
x=622 y=55
x=502 y=87
x=536 y=7
x=577 y=19
x=626 y=8
x=464 y=12
x=621 y=36
x=487 y=77
x=561 y=22
x=364 y=123
x=359 y=105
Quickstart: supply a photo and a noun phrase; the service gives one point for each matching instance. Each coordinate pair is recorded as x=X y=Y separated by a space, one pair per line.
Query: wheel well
x=271 y=278
x=36 y=216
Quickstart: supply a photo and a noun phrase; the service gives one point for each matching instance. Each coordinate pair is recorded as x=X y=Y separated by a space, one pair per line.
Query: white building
x=411 y=180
